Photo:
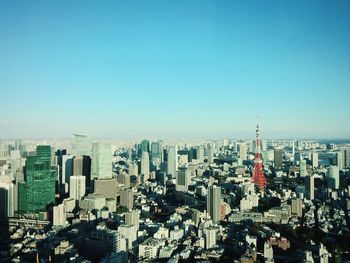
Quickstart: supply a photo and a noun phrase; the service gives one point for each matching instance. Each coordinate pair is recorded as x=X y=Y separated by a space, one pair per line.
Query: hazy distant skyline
x=172 y=69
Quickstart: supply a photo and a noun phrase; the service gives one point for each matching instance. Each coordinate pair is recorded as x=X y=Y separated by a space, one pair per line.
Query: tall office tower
x=145 y=165
x=309 y=187
x=297 y=207
x=293 y=148
x=59 y=215
x=101 y=161
x=258 y=173
x=81 y=144
x=133 y=169
x=7 y=197
x=278 y=158
x=200 y=153
x=82 y=166
x=314 y=159
x=77 y=187
x=172 y=161
x=183 y=180
x=339 y=160
x=346 y=156
x=127 y=198
x=133 y=218
x=243 y=151
x=303 y=170
x=38 y=188
x=297 y=157
x=20 y=146
x=210 y=153
x=333 y=177
x=192 y=154
x=144 y=147
x=156 y=152
x=214 y=202
x=67 y=168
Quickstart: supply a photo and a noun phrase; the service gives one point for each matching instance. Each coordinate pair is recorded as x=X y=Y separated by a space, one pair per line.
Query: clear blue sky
x=174 y=68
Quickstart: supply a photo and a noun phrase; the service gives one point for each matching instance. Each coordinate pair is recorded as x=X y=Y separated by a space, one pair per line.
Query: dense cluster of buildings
x=85 y=201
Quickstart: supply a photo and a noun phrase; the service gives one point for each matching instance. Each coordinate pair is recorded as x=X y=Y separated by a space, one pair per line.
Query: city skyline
x=196 y=69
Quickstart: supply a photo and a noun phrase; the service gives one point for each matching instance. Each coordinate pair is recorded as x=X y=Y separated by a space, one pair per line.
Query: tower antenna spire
x=258 y=174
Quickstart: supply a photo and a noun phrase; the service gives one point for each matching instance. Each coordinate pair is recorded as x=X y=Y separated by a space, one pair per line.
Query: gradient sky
x=174 y=68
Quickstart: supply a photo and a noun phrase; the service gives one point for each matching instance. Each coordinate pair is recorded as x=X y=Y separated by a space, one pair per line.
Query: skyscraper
x=309 y=187
x=156 y=152
x=183 y=180
x=214 y=202
x=101 y=163
x=38 y=188
x=81 y=144
x=314 y=159
x=303 y=170
x=145 y=165
x=172 y=161
x=333 y=177
x=77 y=187
x=6 y=197
x=243 y=151
x=82 y=166
x=143 y=147
x=210 y=153
x=278 y=158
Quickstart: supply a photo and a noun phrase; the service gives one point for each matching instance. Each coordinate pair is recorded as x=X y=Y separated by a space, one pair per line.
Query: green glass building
x=38 y=188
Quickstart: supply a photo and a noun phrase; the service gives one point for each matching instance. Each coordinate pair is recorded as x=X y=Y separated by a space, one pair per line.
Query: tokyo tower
x=258 y=174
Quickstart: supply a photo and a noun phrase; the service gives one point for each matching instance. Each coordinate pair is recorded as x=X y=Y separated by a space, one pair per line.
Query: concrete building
x=77 y=186
x=278 y=158
x=214 y=202
x=296 y=205
x=243 y=151
x=7 y=198
x=314 y=159
x=106 y=187
x=172 y=161
x=210 y=237
x=145 y=164
x=127 y=198
x=133 y=218
x=333 y=177
x=309 y=187
x=183 y=180
x=59 y=215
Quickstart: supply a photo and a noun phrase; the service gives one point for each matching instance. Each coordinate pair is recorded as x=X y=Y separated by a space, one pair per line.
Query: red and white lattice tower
x=258 y=174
